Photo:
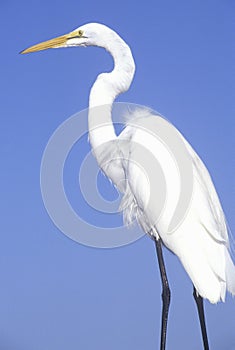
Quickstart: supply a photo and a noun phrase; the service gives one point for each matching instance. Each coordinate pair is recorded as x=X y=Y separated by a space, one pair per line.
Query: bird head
x=91 y=34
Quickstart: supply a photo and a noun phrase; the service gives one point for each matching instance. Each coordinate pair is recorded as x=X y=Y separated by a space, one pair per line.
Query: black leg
x=200 y=309
x=166 y=294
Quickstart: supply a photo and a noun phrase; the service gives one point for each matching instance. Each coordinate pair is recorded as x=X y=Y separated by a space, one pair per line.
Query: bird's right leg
x=166 y=294
x=200 y=309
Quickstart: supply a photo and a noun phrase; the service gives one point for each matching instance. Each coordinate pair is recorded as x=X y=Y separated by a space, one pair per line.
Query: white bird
x=133 y=161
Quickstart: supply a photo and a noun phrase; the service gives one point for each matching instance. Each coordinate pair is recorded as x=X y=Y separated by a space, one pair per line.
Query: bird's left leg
x=200 y=309
x=166 y=294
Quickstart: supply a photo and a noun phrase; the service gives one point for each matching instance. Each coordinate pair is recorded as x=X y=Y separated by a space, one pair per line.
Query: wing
x=155 y=135
x=201 y=240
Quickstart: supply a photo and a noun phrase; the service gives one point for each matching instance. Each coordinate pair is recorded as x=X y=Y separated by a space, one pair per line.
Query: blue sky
x=55 y=293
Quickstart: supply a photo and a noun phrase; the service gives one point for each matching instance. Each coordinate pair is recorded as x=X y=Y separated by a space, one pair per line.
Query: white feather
x=201 y=240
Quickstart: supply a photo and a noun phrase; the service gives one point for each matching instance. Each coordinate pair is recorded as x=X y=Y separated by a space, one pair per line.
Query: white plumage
x=136 y=159
x=201 y=241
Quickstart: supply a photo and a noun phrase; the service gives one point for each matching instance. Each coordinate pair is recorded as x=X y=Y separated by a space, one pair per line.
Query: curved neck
x=106 y=88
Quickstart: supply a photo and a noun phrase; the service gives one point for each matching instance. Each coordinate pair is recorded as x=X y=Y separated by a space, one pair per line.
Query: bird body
x=201 y=241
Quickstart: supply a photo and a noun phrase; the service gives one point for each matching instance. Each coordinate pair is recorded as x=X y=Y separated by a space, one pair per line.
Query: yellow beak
x=60 y=41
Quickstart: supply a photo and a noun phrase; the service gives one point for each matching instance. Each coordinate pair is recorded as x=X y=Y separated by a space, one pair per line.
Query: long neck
x=105 y=89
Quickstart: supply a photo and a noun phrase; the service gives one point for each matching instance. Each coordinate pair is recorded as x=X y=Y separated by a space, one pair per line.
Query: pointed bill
x=59 y=41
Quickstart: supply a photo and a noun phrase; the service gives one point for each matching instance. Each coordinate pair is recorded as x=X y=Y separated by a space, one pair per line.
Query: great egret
x=201 y=240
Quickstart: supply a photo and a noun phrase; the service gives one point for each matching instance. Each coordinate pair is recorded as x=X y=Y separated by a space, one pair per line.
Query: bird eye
x=80 y=32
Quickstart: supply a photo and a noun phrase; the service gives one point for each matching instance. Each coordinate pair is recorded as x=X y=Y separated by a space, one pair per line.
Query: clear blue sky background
x=54 y=293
